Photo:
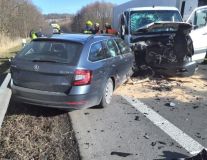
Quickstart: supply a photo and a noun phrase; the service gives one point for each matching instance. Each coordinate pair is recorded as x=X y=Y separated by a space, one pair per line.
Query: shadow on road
x=168 y=155
x=16 y=108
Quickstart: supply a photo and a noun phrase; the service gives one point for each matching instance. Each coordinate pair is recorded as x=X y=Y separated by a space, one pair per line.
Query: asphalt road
x=123 y=132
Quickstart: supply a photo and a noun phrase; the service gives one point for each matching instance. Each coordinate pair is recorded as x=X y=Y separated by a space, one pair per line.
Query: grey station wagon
x=70 y=70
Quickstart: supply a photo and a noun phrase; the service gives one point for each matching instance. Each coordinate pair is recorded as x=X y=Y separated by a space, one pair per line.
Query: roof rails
x=90 y=37
x=105 y=34
x=102 y=34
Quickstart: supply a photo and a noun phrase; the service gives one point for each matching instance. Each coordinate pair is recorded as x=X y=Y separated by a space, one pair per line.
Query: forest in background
x=19 y=17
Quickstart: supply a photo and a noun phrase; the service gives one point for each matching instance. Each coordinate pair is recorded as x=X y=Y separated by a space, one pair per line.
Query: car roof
x=153 y=8
x=80 y=38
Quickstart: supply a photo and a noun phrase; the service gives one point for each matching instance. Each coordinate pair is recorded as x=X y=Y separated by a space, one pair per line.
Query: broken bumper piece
x=184 y=69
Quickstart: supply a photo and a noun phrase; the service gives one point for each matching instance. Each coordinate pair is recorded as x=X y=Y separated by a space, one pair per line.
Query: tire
x=107 y=94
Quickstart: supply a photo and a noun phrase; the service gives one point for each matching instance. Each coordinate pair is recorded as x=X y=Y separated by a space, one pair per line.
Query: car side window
x=111 y=48
x=96 y=52
x=200 y=18
x=122 y=46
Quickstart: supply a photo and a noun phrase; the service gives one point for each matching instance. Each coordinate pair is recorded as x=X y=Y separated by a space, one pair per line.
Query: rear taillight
x=82 y=77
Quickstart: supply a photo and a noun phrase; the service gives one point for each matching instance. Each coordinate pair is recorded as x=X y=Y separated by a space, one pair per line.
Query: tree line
x=97 y=12
x=18 y=17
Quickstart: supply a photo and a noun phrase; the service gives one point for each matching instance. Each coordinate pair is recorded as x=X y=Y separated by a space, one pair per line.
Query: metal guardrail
x=5 y=95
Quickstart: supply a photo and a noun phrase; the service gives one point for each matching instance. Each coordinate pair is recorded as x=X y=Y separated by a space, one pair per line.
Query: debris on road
x=137 y=118
x=162 y=85
x=121 y=154
x=153 y=144
x=171 y=104
x=163 y=143
x=146 y=136
x=160 y=147
x=177 y=89
x=133 y=81
x=195 y=107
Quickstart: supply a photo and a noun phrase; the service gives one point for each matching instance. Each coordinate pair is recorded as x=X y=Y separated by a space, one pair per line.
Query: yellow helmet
x=89 y=23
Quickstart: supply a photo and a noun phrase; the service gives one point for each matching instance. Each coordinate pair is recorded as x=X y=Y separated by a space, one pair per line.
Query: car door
x=116 y=61
x=100 y=64
x=127 y=57
x=199 y=33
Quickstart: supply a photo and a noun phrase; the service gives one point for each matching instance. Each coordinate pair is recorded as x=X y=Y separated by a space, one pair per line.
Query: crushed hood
x=173 y=26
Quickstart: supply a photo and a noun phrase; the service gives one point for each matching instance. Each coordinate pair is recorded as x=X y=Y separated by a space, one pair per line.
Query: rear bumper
x=184 y=69
x=53 y=99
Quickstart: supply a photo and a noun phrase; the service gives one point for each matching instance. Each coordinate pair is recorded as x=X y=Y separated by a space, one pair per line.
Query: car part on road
x=121 y=154
x=107 y=94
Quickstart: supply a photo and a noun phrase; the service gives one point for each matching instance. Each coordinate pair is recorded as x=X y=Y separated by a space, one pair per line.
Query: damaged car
x=166 y=47
x=160 y=40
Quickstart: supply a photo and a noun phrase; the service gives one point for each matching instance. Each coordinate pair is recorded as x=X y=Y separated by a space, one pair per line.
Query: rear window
x=58 y=51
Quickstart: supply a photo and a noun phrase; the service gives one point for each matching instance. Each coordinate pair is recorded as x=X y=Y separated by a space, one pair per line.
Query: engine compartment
x=164 y=49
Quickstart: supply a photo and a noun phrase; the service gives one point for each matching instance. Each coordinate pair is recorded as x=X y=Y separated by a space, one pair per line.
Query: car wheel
x=107 y=94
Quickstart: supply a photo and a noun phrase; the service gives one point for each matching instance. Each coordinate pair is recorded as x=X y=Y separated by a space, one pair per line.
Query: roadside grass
x=31 y=132
x=8 y=46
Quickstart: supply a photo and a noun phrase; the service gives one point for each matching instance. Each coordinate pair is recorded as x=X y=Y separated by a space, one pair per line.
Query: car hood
x=175 y=26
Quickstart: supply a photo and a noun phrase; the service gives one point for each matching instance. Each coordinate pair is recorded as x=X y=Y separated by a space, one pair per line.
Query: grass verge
x=30 y=132
x=9 y=46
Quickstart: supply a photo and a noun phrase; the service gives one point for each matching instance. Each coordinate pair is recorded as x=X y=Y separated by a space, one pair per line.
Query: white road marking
x=6 y=81
x=191 y=145
x=5 y=95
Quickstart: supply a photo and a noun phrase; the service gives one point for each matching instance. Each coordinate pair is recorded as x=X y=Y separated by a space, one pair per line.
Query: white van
x=198 y=19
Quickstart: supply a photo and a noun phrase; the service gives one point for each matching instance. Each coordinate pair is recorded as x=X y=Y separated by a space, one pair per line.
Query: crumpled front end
x=168 y=52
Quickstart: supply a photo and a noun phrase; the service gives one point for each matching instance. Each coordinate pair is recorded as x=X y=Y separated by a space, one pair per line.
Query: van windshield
x=51 y=51
x=141 y=18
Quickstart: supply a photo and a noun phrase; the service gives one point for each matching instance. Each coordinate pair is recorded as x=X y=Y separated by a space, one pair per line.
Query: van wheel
x=107 y=94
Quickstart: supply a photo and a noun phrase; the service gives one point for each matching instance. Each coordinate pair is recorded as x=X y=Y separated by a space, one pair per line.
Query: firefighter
x=96 y=29
x=109 y=29
x=33 y=34
x=88 y=28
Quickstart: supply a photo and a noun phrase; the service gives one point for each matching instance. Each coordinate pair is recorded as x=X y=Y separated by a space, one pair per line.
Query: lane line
x=6 y=81
x=191 y=145
x=5 y=96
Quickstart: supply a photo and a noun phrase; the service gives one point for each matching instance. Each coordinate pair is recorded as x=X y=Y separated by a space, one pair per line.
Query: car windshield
x=51 y=51
x=141 y=18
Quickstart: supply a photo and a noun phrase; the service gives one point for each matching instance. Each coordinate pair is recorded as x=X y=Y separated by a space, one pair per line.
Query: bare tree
x=18 y=17
x=97 y=12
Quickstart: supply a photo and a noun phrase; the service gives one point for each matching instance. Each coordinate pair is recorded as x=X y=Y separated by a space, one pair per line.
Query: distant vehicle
x=70 y=70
